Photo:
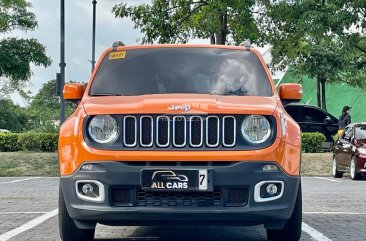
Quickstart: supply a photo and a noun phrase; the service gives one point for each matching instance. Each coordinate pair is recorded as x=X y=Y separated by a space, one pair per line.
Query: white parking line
x=22 y=212
x=31 y=224
x=21 y=180
x=336 y=213
x=318 y=236
x=327 y=179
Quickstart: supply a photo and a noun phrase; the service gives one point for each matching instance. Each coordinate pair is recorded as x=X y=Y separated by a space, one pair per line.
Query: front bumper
x=272 y=214
x=361 y=164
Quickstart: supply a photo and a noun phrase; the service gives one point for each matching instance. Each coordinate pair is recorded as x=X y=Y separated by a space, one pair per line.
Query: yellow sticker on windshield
x=117 y=55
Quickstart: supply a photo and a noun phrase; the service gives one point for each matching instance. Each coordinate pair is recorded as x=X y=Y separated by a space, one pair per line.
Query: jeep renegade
x=180 y=135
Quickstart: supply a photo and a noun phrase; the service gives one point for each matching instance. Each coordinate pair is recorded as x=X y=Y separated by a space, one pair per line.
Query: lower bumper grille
x=179 y=199
x=220 y=197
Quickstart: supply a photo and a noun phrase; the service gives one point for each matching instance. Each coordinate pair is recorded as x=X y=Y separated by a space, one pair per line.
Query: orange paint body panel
x=74 y=151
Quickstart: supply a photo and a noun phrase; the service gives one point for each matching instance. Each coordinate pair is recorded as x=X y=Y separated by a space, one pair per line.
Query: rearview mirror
x=290 y=92
x=73 y=92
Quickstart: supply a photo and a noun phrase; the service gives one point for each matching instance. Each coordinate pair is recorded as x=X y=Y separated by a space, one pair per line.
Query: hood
x=180 y=104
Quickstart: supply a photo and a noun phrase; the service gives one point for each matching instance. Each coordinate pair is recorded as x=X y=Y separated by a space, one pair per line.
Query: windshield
x=181 y=70
x=360 y=132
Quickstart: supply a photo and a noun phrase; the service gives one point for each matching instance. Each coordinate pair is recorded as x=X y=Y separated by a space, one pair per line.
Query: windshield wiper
x=106 y=94
x=234 y=93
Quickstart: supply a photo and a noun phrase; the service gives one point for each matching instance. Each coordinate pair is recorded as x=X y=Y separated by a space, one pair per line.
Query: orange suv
x=180 y=135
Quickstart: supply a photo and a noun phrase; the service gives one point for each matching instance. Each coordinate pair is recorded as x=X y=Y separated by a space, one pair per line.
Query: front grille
x=179 y=199
x=151 y=131
x=219 y=197
x=236 y=197
x=121 y=197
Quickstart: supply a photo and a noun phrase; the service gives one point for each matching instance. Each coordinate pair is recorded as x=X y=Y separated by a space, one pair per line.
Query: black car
x=314 y=119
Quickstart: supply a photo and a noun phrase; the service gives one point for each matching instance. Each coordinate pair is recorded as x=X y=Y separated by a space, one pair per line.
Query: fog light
x=87 y=189
x=270 y=168
x=268 y=190
x=364 y=165
x=90 y=190
x=271 y=189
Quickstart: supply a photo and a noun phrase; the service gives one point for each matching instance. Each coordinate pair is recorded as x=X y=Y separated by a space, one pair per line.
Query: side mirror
x=328 y=120
x=290 y=92
x=73 y=92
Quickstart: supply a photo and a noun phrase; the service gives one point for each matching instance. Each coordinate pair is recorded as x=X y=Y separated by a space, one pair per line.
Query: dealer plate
x=166 y=180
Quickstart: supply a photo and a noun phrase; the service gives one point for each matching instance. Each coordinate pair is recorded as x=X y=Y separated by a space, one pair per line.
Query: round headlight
x=103 y=129
x=256 y=129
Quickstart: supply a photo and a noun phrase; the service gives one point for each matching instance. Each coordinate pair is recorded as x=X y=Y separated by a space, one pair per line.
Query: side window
x=294 y=112
x=313 y=115
x=360 y=132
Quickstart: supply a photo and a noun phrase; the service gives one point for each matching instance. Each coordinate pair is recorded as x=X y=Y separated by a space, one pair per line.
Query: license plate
x=174 y=179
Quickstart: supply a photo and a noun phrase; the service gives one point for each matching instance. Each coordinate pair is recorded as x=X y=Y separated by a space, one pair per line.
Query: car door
x=338 y=150
x=346 y=149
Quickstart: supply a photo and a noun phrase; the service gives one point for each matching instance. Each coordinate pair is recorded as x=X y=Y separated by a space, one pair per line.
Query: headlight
x=103 y=129
x=256 y=129
x=362 y=150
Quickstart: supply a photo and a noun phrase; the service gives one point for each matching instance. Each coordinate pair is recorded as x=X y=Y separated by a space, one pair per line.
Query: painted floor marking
x=21 y=180
x=31 y=224
x=23 y=212
x=336 y=213
x=327 y=179
x=318 y=236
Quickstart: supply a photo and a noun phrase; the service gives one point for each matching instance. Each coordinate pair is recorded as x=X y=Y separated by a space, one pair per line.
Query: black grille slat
x=212 y=131
x=146 y=131
x=130 y=131
x=196 y=131
x=179 y=131
x=163 y=131
x=229 y=131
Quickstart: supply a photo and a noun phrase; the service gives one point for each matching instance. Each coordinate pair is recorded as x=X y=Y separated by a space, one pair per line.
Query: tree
x=13 y=117
x=44 y=110
x=177 y=21
x=310 y=36
x=16 y=55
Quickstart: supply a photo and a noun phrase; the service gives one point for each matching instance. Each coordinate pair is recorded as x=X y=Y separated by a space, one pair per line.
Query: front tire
x=335 y=172
x=68 y=229
x=292 y=229
x=353 y=170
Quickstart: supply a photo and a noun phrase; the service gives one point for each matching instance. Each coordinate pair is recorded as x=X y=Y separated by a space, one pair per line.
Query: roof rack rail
x=116 y=44
x=245 y=44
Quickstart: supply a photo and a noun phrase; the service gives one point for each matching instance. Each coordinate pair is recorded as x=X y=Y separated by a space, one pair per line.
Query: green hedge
x=9 y=142
x=312 y=142
x=47 y=142
x=29 y=141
